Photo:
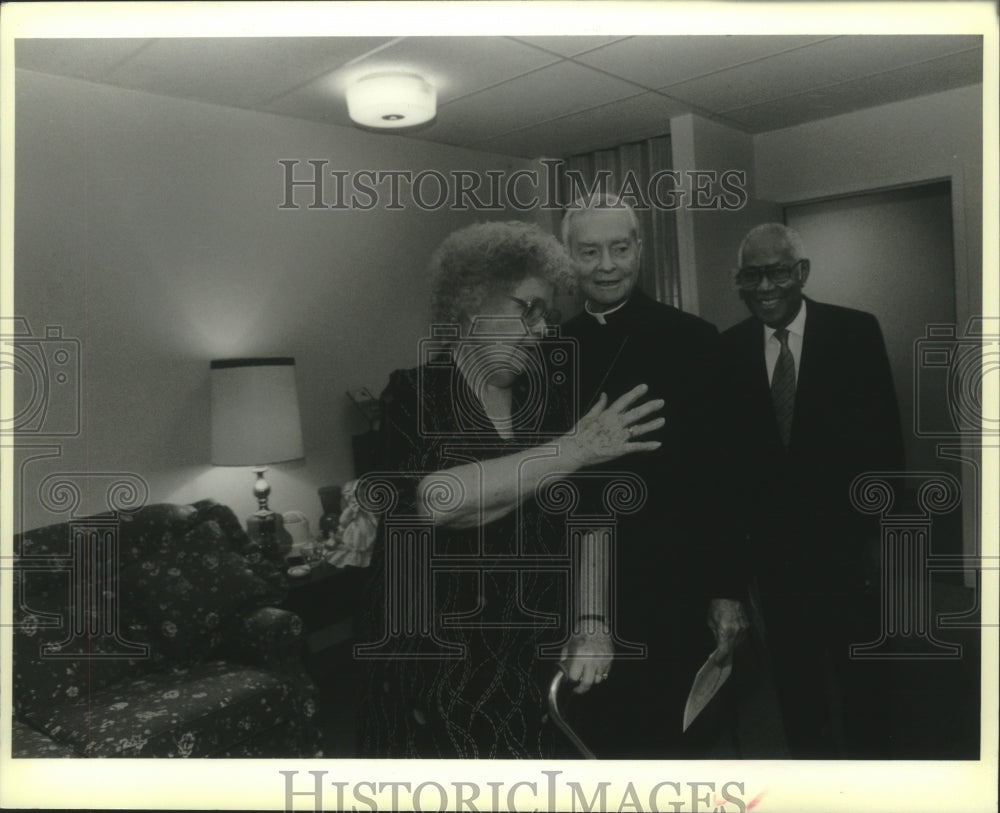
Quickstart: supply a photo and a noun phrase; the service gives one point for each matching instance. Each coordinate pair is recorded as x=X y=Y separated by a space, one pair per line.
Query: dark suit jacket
x=663 y=551
x=795 y=505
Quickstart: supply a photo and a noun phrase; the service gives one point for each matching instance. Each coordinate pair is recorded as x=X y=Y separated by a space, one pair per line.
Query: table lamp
x=255 y=422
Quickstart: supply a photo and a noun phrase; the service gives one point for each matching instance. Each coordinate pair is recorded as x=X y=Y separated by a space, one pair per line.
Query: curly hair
x=477 y=261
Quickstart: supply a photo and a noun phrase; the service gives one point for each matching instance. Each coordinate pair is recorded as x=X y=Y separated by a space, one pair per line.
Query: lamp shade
x=255 y=412
x=391 y=100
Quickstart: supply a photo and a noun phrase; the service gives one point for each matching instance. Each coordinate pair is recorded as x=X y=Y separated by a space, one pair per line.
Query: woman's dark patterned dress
x=491 y=702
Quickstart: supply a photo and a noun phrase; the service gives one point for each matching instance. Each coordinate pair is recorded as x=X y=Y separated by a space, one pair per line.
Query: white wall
x=907 y=282
x=932 y=137
x=708 y=240
x=149 y=229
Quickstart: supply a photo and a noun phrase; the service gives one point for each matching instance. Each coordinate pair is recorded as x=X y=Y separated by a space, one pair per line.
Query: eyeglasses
x=750 y=275
x=536 y=309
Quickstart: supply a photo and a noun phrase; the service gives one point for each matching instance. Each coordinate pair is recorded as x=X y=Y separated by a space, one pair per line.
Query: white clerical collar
x=600 y=317
x=796 y=326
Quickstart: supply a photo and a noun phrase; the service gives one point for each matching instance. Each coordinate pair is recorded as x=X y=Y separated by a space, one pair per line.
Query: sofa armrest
x=274 y=639
x=28 y=742
x=268 y=637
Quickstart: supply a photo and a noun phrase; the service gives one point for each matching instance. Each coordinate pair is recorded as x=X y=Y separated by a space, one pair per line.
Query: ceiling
x=536 y=96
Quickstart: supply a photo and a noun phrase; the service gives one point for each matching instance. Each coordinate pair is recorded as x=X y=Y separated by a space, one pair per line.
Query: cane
x=558 y=719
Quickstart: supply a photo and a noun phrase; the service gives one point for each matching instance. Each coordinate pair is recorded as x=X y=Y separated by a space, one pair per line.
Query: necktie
x=783 y=388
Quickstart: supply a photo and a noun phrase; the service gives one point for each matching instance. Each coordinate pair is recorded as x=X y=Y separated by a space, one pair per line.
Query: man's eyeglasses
x=750 y=275
x=536 y=309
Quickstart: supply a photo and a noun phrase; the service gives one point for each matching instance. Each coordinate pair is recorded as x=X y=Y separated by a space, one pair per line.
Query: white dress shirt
x=796 y=330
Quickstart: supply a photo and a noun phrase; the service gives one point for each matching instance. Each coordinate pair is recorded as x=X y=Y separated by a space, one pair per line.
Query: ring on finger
x=630 y=430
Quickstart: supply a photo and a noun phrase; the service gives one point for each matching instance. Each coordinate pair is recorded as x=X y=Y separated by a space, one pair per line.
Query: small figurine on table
x=352 y=540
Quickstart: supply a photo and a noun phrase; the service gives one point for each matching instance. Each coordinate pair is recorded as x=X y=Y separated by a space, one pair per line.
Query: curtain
x=630 y=167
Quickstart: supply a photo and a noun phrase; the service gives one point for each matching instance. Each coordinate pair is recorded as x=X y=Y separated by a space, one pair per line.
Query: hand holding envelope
x=728 y=623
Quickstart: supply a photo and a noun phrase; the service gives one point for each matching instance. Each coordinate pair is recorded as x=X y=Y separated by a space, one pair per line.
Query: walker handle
x=558 y=719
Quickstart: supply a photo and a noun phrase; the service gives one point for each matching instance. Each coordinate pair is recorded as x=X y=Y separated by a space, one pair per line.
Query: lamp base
x=267 y=529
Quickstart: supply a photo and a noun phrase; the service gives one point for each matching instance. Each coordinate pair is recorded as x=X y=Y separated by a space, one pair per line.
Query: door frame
x=968 y=303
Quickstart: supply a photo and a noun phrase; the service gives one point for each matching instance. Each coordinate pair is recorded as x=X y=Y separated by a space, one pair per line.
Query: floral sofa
x=156 y=634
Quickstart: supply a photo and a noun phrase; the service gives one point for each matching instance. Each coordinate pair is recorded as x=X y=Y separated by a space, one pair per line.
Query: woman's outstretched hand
x=608 y=432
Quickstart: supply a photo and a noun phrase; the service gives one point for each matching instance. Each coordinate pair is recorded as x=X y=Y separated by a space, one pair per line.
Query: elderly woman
x=486 y=420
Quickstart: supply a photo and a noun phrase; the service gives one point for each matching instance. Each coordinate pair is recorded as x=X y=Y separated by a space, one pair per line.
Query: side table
x=326 y=599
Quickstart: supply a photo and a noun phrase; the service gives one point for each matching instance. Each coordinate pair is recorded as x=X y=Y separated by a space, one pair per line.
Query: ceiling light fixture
x=389 y=100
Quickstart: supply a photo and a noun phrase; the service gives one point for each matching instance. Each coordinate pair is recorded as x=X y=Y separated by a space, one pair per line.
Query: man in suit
x=664 y=580
x=810 y=404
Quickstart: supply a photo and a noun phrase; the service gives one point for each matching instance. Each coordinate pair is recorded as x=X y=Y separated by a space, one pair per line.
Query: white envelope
x=706 y=685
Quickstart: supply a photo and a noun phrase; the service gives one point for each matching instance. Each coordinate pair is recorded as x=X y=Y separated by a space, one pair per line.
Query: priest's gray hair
x=599 y=201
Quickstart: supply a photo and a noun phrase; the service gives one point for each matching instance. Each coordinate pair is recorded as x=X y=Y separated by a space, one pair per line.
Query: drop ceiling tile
x=619 y=122
x=545 y=94
x=83 y=58
x=814 y=66
x=235 y=71
x=457 y=66
x=660 y=61
x=319 y=101
x=569 y=45
x=932 y=76
x=504 y=94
